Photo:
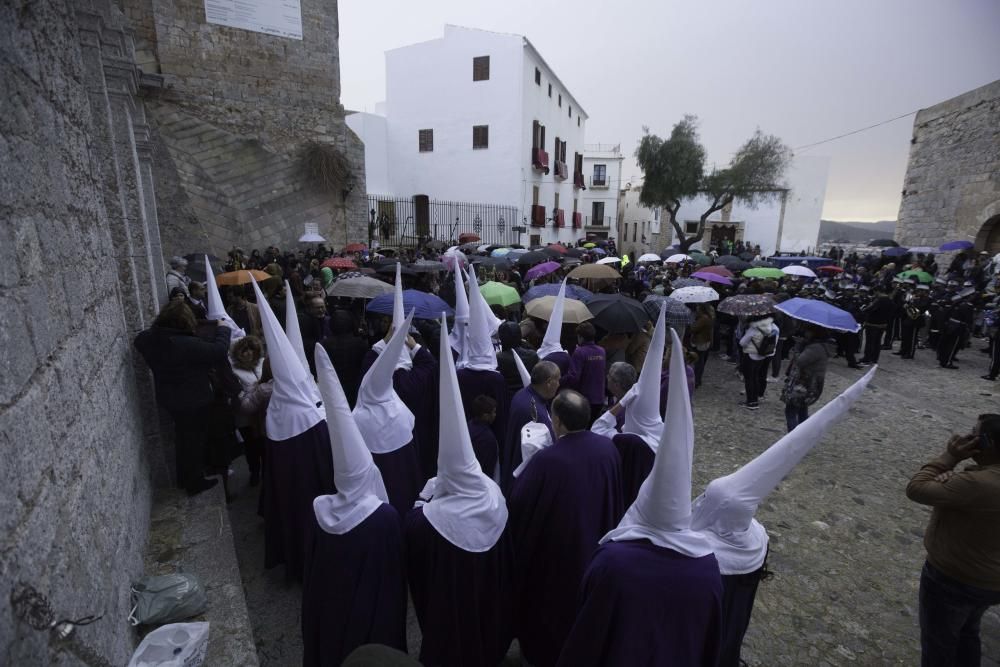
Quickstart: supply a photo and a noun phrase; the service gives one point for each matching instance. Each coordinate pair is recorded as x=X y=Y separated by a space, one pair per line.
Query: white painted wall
x=372 y=130
x=635 y=222
x=612 y=158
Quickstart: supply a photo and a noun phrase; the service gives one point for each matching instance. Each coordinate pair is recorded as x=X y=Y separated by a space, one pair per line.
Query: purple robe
x=485 y=447
x=296 y=470
x=412 y=388
x=400 y=471
x=560 y=359
x=637 y=461
x=586 y=373
x=520 y=414
x=641 y=604
x=564 y=501
x=462 y=599
x=354 y=591
x=472 y=383
x=665 y=386
x=738 y=594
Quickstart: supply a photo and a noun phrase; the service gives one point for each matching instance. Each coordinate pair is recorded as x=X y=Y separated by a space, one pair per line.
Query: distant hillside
x=855 y=232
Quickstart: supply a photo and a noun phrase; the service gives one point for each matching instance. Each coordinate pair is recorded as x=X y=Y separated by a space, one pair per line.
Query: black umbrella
x=494 y=262
x=883 y=243
x=470 y=248
x=616 y=313
x=552 y=252
x=390 y=269
x=436 y=244
x=196 y=266
x=733 y=263
x=746 y=256
x=427 y=266
x=576 y=252
x=532 y=258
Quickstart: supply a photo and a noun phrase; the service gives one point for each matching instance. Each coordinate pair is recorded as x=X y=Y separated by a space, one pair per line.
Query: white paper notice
x=273 y=17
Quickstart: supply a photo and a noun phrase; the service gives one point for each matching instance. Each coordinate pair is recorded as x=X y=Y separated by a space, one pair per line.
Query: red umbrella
x=718 y=270
x=339 y=263
x=355 y=247
x=468 y=237
x=559 y=248
x=830 y=269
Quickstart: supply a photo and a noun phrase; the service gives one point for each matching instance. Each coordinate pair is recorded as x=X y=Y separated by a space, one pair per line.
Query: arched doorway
x=988 y=238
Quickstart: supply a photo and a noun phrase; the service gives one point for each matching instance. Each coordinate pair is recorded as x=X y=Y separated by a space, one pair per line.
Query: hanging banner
x=273 y=17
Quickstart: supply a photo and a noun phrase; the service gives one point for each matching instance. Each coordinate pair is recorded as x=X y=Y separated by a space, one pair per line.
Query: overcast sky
x=803 y=70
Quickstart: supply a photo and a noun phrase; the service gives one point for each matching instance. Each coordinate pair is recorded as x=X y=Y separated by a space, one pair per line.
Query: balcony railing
x=578 y=181
x=540 y=160
x=599 y=181
x=591 y=221
x=561 y=171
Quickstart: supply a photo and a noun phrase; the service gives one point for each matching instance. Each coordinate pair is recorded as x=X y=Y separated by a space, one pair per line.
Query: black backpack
x=767 y=344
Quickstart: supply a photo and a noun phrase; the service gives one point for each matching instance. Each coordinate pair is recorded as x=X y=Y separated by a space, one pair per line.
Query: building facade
x=479 y=116
x=602 y=171
x=640 y=229
x=951 y=191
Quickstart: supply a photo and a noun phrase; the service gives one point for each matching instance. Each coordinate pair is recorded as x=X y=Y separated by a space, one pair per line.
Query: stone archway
x=988 y=236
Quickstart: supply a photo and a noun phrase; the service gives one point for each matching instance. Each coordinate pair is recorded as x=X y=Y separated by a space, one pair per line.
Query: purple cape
x=296 y=470
x=560 y=359
x=489 y=383
x=637 y=461
x=462 y=599
x=484 y=445
x=354 y=591
x=564 y=501
x=665 y=386
x=738 y=594
x=400 y=471
x=586 y=373
x=641 y=604
x=520 y=414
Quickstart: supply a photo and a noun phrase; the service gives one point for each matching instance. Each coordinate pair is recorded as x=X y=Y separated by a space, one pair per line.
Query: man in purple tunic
x=387 y=424
x=586 y=370
x=563 y=501
x=458 y=552
x=652 y=594
x=298 y=466
x=643 y=425
x=529 y=405
x=354 y=590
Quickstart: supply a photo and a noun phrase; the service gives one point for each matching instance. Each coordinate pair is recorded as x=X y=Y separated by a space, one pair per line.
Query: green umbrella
x=922 y=276
x=701 y=258
x=498 y=294
x=763 y=272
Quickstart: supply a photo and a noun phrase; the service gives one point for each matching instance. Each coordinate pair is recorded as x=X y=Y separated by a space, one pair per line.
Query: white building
x=602 y=171
x=478 y=116
x=640 y=229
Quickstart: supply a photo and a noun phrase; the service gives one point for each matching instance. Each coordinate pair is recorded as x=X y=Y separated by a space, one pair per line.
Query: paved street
x=846 y=545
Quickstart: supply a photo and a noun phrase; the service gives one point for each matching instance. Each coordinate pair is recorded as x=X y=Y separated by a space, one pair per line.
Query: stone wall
x=952 y=184
x=82 y=273
x=235 y=110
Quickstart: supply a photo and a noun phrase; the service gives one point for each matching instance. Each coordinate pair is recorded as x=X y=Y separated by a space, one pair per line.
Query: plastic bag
x=166 y=598
x=174 y=645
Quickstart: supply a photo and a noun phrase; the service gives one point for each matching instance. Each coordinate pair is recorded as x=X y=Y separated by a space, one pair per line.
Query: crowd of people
x=521 y=474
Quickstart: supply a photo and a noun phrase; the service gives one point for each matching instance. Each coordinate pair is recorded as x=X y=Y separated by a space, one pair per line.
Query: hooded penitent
x=478 y=353
x=662 y=512
x=457 y=335
x=216 y=311
x=360 y=490
x=295 y=405
x=522 y=370
x=404 y=360
x=292 y=327
x=642 y=416
x=467 y=508
x=384 y=420
x=724 y=513
x=551 y=343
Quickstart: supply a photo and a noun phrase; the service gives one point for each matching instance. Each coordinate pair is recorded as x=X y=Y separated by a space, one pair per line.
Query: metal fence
x=394 y=222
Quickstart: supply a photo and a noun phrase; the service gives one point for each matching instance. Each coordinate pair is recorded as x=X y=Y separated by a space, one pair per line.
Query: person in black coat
x=878 y=315
x=346 y=350
x=181 y=363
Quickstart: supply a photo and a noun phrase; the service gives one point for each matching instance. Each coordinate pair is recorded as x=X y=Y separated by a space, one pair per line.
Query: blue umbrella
x=957 y=245
x=895 y=252
x=819 y=313
x=598 y=251
x=551 y=289
x=425 y=306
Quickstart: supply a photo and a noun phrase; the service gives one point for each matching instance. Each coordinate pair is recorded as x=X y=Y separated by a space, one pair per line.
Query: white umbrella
x=694 y=295
x=677 y=259
x=923 y=250
x=609 y=260
x=483 y=247
x=798 y=270
x=650 y=257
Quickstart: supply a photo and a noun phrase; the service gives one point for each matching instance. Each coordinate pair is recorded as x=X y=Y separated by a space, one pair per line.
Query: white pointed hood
x=642 y=416
x=521 y=369
x=492 y=321
x=724 y=513
x=457 y=335
x=551 y=343
x=383 y=418
x=216 y=311
x=360 y=490
x=478 y=352
x=662 y=511
x=296 y=405
x=292 y=329
x=398 y=316
x=468 y=508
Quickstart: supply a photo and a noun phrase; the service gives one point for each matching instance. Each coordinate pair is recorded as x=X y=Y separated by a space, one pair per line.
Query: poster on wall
x=272 y=17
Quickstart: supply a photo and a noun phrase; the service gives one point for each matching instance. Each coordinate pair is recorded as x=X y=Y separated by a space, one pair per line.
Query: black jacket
x=181 y=362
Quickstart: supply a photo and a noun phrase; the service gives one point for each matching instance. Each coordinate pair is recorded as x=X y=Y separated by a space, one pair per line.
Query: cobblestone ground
x=846 y=544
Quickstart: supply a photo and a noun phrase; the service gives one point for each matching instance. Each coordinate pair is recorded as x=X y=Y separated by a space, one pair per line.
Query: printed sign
x=273 y=17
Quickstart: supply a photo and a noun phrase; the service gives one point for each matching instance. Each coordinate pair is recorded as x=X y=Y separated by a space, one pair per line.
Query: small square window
x=481 y=68
x=571 y=111
x=425 y=140
x=480 y=136
x=550 y=90
x=560 y=100
x=578 y=121
x=538 y=76
x=690 y=227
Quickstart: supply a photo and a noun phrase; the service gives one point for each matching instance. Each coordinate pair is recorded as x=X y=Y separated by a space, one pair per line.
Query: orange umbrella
x=339 y=263
x=241 y=277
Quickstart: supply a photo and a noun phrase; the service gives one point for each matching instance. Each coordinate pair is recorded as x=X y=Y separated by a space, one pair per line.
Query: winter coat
x=181 y=363
x=755 y=334
x=806 y=373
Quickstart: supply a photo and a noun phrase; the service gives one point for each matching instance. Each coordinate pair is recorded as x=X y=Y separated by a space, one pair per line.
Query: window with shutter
x=550 y=90
x=480 y=136
x=538 y=76
x=481 y=68
x=425 y=141
x=560 y=100
x=570 y=110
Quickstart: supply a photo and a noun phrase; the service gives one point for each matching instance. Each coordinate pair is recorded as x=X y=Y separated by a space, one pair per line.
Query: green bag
x=166 y=599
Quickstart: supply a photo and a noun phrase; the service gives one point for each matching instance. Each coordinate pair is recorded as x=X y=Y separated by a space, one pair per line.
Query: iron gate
x=393 y=222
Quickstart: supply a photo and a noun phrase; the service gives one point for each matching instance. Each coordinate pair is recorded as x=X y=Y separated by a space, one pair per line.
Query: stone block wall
x=82 y=273
x=952 y=184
